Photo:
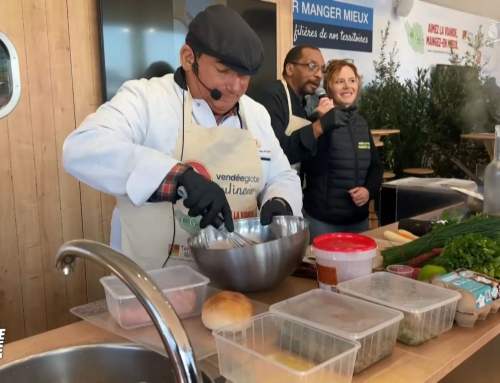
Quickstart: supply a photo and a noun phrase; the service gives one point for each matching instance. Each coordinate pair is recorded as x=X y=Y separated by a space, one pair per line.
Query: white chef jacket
x=125 y=148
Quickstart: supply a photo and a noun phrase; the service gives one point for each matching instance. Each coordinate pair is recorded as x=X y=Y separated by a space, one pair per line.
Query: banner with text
x=333 y=25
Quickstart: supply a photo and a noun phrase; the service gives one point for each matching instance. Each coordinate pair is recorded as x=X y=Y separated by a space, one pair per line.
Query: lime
x=428 y=272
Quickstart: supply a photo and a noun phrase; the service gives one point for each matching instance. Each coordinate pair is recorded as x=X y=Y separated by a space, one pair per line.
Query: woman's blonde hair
x=332 y=73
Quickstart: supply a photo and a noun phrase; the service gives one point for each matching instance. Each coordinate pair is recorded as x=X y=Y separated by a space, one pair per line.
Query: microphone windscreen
x=320 y=92
x=215 y=94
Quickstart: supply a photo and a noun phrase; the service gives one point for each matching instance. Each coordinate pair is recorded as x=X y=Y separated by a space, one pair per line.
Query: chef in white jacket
x=194 y=129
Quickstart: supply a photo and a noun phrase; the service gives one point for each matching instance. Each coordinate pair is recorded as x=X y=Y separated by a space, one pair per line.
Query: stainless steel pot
x=253 y=268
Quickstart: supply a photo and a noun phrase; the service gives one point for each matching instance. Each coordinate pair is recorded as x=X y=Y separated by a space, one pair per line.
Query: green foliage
x=462 y=103
x=386 y=67
x=455 y=110
x=379 y=106
x=388 y=103
x=432 y=111
x=473 y=59
x=482 y=108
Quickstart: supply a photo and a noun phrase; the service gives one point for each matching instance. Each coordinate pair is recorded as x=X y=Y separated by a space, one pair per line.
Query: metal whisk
x=235 y=239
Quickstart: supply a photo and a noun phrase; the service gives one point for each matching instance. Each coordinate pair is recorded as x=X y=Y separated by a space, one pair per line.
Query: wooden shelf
x=488 y=141
x=388 y=175
x=418 y=172
x=377 y=134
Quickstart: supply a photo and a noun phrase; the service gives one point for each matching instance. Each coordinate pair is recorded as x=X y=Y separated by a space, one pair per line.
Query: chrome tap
x=167 y=322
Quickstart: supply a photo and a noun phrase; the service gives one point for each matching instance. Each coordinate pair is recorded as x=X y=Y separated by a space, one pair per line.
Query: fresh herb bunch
x=488 y=227
x=474 y=252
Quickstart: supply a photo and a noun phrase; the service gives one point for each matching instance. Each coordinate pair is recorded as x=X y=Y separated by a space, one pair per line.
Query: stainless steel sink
x=108 y=363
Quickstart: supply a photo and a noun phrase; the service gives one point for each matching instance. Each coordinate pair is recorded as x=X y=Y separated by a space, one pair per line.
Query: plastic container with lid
x=341 y=257
x=373 y=326
x=271 y=348
x=428 y=310
x=184 y=288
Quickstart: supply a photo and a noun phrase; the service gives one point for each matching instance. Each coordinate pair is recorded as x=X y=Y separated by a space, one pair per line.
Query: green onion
x=487 y=226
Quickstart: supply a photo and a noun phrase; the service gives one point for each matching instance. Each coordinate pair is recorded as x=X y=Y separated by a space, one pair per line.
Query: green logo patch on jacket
x=363 y=145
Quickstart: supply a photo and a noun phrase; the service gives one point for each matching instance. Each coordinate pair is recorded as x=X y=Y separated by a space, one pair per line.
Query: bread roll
x=226 y=308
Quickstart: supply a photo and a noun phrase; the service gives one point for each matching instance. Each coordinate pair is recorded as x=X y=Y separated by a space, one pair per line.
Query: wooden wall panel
x=64 y=124
x=284 y=31
x=11 y=300
x=41 y=205
x=24 y=183
x=81 y=25
x=42 y=122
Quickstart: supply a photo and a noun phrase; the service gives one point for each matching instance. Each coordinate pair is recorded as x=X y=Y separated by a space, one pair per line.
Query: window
x=144 y=38
x=10 y=87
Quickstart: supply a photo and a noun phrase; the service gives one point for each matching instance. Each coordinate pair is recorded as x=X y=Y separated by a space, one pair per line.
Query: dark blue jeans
x=319 y=228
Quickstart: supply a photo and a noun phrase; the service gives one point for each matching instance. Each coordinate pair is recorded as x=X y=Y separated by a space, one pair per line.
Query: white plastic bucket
x=341 y=257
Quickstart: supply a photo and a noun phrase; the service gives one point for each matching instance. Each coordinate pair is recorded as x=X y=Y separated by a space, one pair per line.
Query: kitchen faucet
x=165 y=319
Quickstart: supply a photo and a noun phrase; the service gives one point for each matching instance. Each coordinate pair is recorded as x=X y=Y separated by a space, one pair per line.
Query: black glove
x=272 y=208
x=337 y=118
x=205 y=198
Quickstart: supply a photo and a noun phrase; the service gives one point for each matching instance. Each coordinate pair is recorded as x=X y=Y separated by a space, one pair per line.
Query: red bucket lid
x=344 y=243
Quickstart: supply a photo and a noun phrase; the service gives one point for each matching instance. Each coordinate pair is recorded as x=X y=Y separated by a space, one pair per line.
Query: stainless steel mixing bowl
x=253 y=268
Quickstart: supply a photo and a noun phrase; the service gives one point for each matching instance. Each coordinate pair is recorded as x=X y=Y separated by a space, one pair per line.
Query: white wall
x=485 y=8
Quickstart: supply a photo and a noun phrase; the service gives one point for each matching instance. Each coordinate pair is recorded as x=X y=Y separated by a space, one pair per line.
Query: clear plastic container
x=342 y=256
x=373 y=326
x=270 y=348
x=184 y=288
x=402 y=270
x=428 y=310
x=492 y=180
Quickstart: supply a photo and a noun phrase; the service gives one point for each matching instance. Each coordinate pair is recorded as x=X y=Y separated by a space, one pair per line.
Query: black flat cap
x=222 y=33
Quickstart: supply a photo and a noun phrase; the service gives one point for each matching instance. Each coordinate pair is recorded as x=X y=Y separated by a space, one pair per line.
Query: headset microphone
x=214 y=93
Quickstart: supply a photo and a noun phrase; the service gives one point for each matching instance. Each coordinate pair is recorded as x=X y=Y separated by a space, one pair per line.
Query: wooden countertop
x=429 y=362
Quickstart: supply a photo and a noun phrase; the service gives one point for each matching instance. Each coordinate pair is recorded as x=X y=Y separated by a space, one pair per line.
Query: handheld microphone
x=320 y=93
x=214 y=93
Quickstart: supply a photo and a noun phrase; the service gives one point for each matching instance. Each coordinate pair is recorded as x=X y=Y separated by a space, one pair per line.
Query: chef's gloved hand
x=336 y=118
x=205 y=198
x=274 y=207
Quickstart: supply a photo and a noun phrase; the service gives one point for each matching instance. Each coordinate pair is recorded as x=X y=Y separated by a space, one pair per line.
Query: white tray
x=201 y=338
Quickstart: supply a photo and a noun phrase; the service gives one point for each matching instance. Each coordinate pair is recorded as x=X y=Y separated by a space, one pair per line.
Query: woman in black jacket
x=346 y=173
